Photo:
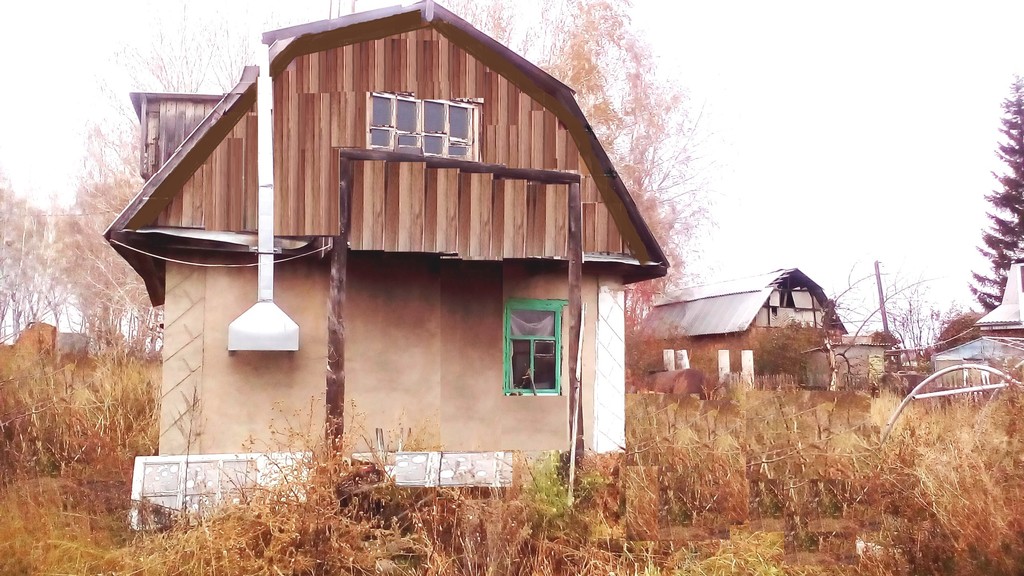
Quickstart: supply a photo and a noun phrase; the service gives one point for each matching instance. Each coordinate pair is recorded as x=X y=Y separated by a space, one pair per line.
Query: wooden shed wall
x=320 y=104
x=165 y=124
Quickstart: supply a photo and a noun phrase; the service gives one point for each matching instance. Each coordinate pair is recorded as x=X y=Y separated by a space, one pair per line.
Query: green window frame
x=537 y=349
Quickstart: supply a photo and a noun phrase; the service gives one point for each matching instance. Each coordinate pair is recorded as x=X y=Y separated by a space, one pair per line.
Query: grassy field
x=756 y=483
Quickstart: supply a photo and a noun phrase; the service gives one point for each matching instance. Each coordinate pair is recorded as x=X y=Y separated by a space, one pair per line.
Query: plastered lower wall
x=245 y=401
x=424 y=357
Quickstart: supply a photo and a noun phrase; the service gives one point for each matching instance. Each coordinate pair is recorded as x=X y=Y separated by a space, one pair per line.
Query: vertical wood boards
x=404 y=198
x=320 y=104
x=475 y=211
x=514 y=238
x=441 y=211
x=200 y=204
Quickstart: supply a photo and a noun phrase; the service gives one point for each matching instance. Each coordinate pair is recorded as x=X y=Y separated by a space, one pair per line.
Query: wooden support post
x=575 y=318
x=336 y=314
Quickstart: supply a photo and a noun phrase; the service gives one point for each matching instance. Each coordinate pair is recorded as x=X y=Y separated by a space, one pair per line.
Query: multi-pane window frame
x=414 y=138
x=554 y=306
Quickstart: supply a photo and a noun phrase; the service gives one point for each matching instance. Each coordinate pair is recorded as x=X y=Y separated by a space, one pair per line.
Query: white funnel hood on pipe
x=264 y=326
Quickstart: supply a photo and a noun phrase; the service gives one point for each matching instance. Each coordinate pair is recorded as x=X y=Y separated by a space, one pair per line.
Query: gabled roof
x=1008 y=314
x=746 y=285
x=161 y=187
x=722 y=307
x=290 y=43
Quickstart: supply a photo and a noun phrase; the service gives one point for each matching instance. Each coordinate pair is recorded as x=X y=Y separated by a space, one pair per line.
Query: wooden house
x=450 y=241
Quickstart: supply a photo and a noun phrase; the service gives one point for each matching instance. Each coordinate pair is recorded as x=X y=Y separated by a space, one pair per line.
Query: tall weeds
x=944 y=495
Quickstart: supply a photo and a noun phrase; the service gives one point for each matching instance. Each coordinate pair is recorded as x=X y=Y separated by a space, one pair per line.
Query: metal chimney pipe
x=264 y=326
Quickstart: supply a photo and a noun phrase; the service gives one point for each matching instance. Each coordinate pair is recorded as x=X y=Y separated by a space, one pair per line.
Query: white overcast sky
x=841 y=133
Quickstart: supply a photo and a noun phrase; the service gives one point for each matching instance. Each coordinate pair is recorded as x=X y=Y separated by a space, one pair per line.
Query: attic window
x=533 y=347
x=431 y=127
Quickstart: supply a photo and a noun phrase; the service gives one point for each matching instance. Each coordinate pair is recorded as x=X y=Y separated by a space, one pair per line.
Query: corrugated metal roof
x=714 y=315
x=1008 y=313
x=984 y=348
x=722 y=307
x=736 y=286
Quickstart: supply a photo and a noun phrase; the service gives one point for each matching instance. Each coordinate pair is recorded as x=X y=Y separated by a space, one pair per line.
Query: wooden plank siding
x=321 y=102
x=211 y=199
x=165 y=122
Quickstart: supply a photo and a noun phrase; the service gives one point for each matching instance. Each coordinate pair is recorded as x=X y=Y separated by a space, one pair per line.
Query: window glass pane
x=544 y=348
x=380 y=137
x=382 y=111
x=458 y=151
x=433 y=144
x=459 y=118
x=407 y=116
x=521 y=364
x=544 y=365
x=408 y=140
x=433 y=117
x=532 y=323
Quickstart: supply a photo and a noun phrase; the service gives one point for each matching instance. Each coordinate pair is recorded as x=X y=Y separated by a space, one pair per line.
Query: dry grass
x=945 y=495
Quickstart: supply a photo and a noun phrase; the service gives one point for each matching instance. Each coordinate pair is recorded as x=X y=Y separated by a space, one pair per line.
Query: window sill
x=530 y=394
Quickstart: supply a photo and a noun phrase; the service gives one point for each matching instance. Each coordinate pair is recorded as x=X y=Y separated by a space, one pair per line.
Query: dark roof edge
x=332 y=24
x=137 y=98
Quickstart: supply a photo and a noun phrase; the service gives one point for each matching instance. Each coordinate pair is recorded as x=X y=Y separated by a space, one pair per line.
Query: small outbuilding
x=993 y=351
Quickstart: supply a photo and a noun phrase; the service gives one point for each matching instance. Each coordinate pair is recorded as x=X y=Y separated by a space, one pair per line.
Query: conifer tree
x=1003 y=242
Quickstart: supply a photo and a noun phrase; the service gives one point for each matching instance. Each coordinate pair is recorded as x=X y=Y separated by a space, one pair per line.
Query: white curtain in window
x=532 y=323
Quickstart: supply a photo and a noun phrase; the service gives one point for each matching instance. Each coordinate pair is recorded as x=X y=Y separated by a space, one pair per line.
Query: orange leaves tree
x=644 y=119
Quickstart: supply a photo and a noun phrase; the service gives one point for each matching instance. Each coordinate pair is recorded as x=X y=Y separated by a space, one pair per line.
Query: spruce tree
x=1003 y=242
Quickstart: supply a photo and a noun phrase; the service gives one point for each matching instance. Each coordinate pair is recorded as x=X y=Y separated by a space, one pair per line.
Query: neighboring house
x=860 y=360
x=1006 y=319
x=992 y=351
x=482 y=219
x=775 y=299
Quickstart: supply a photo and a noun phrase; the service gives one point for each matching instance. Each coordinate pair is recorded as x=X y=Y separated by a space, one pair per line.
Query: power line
x=206 y=265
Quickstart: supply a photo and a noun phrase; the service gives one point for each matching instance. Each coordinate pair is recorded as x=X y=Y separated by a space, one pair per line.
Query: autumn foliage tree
x=644 y=120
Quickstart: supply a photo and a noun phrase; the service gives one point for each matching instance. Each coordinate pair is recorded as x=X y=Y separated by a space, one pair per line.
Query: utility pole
x=881 y=300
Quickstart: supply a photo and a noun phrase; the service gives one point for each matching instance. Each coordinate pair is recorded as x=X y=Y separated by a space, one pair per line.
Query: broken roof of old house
x=723 y=307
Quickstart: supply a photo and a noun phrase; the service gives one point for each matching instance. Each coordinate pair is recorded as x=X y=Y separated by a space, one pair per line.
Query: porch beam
x=497 y=170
